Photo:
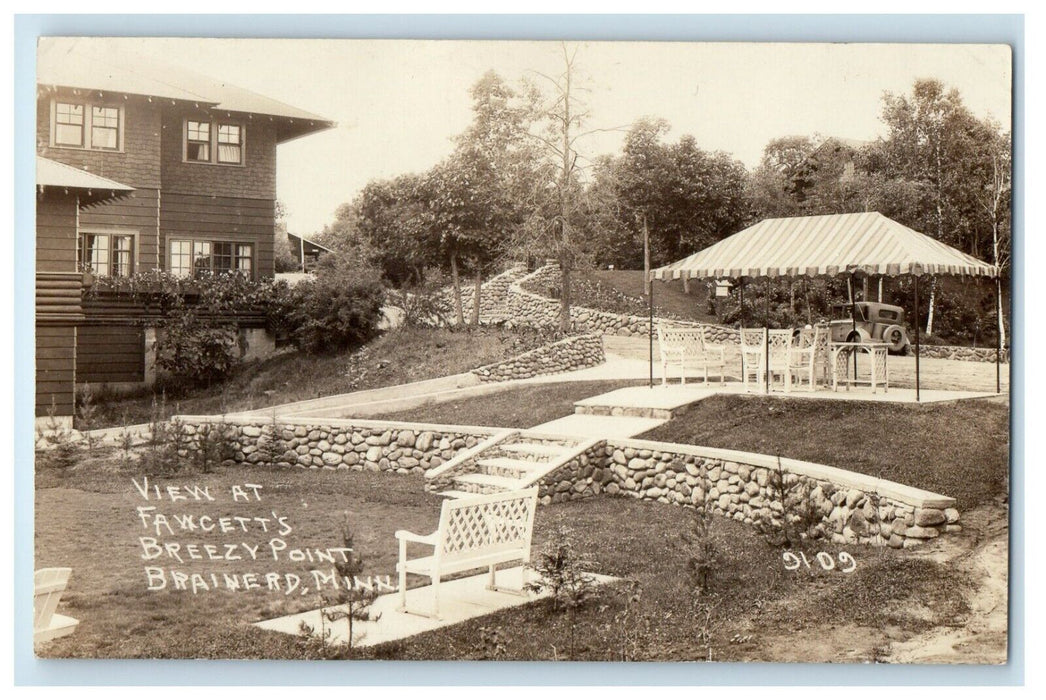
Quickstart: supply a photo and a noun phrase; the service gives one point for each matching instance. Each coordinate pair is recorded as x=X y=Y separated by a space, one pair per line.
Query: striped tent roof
x=815 y=246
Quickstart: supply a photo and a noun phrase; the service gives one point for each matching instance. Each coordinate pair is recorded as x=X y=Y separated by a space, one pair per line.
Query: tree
x=474 y=194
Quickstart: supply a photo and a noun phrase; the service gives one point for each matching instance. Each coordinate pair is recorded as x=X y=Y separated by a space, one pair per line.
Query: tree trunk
x=564 y=297
x=475 y=299
x=459 y=315
x=686 y=285
x=929 y=308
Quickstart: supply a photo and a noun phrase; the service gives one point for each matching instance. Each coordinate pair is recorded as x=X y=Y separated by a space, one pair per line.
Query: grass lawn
x=958 y=449
x=519 y=407
x=86 y=519
x=400 y=356
x=669 y=298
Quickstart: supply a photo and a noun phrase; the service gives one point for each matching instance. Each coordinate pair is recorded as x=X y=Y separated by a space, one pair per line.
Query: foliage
x=424 y=303
x=339 y=308
x=193 y=349
x=57 y=446
x=214 y=444
x=492 y=644
x=562 y=570
x=702 y=552
x=350 y=602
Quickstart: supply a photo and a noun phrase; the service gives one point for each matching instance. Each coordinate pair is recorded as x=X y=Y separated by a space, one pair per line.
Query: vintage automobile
x=875 y=323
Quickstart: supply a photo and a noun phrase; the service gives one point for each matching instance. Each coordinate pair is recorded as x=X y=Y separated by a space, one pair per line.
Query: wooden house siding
x=137 y=164
x=110 y=353
x=55 y=231
x=254 y=179
x=55 y=369
x=137 y=214
x=211 y=218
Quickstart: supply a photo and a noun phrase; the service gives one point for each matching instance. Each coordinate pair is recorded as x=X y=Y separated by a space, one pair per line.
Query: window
x=195 y=258
x=198 y=141
x=68 y=124
x=229 y=150
x=213 y=143
x=105 y=128
x=107 y=254
x=86 y=125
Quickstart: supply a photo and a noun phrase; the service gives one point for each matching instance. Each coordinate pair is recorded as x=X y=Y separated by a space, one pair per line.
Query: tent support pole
x=916 y=338
x=853 y=316
x=766 y=335
x=998 y=336
x=650 y=331
x=741 y=287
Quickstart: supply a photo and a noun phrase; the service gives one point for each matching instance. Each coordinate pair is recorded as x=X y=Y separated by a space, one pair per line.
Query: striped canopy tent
x=834 y=245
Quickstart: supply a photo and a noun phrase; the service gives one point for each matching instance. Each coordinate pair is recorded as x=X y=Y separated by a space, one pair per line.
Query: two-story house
x=167 y=169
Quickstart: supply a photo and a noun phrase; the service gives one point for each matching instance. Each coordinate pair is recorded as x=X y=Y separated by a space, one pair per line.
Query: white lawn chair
x=780 y=344
x=686 y=347
x=809 y=357
x=753 y=356
x=49 y=584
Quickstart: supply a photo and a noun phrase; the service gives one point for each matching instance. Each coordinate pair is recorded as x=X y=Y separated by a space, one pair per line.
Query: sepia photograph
x=459 y=350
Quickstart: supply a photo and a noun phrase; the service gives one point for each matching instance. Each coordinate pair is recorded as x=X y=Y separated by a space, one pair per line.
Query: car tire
x=896 y=339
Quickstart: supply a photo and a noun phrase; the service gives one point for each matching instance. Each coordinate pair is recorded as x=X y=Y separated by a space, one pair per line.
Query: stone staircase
x=508 y=461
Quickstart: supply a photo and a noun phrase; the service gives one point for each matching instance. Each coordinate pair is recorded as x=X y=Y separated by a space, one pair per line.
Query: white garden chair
x=49 y=584
x=809 y=357
x=780 y=346
x=753 y=356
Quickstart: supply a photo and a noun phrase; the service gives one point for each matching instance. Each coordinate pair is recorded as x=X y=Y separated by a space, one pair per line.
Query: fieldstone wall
x=842 y=506
x=758 y=490
x=959 y=352
x=339 y=444
x=569 y=354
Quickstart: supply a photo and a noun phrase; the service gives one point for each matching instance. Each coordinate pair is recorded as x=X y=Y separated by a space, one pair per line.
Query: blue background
x=1006 y=29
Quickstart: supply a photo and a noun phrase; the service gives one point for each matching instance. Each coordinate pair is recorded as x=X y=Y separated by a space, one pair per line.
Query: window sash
x=107 y=254
x=208 y=142
x=87 y=125
x=69 y=124
x=192 y=258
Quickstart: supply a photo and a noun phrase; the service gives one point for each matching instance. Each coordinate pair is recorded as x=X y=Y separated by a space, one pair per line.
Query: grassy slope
x=751 y=590
x=521 y=407
x=398 y=357
x=668 y=296
x=958 y=449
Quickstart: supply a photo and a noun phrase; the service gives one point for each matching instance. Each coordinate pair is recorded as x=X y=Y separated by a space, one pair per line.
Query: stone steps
x=485 y=483
x=536 y=449
x=508 y=467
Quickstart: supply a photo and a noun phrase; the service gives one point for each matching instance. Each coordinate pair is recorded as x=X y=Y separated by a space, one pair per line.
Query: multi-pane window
x=198 y=141
x=68 y=124
x=107 y=254
x=195 y=258
x=181 y=258
x=207 y=142
x=230 y=148
x=105 y=127
x=86 y=125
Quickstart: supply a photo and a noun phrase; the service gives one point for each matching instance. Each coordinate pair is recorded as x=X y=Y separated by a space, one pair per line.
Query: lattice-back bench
x=686 y=347
x=473 y=533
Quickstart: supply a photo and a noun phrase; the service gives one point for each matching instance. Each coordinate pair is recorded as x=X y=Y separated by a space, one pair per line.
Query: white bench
x=473 y=533
x=687 y=348
x=49 y=584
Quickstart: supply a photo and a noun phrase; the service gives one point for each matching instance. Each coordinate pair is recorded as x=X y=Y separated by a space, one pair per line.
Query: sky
x=398 y=103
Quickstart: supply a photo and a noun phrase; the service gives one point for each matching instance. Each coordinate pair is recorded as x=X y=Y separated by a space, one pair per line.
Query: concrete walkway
x=460 y=600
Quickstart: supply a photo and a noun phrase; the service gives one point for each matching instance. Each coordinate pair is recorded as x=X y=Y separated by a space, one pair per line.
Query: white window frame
x=88 y=109
x=96 y=231
x=215 y=127
x=236 y=246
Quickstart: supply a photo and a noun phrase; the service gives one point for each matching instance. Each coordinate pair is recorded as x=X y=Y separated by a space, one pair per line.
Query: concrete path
x=589 y=426
x=460 y=600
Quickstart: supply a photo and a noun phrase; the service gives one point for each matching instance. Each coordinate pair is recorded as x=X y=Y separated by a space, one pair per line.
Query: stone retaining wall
x=566 y=355
x=844 y=506
x=959 y=352
x=404 y=448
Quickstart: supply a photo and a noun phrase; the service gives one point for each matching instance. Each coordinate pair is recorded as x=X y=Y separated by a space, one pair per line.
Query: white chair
x=808 y=357
x=780 y=347
x=49 y=584
x=686 y=347
x=753 y=356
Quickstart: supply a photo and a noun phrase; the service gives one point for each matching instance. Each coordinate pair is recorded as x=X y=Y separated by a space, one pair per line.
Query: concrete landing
x=664 y=401
x=596 y=426
x=460 y=600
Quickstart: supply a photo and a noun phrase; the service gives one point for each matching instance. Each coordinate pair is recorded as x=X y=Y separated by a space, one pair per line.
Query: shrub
x=561 y=568
x=193 y=350
x=338 y=309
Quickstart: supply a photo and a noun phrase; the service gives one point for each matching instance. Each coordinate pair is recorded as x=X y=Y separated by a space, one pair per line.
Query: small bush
x=339 y=309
